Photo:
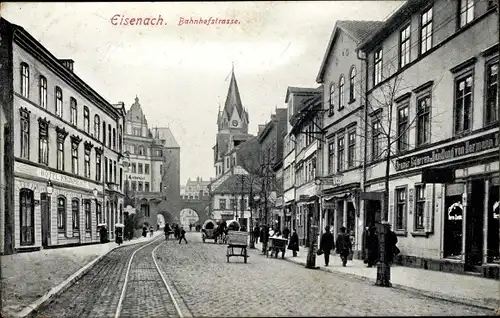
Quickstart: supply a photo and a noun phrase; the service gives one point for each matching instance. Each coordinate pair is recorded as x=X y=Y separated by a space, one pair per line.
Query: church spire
x=233 y=99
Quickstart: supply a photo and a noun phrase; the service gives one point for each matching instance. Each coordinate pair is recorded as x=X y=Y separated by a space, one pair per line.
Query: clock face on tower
x=234 y=123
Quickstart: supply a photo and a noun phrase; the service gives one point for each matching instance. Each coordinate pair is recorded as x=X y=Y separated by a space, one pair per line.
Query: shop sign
x=53 y=176
x=453 y=151
x=455 y=211
x=137 y=178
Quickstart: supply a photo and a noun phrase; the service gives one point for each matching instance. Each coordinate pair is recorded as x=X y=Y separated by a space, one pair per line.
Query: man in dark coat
x=182 y=235
x=326 y=244
x=392 y=249
x=344 y=245
x=256 y=233
x=167 y=231
x=286 y=232
x=264 y=237
x=294 y=243
x=372 y=247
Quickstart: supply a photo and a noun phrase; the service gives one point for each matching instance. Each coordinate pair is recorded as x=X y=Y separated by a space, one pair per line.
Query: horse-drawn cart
x=238 y=240
x=276 y=245
x=208 y=231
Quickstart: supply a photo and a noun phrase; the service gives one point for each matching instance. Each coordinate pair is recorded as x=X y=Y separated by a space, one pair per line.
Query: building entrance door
x=494 y=222
x=45 y=215
x=474 y=225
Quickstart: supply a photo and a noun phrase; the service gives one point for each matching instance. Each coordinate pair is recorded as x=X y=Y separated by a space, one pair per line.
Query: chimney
x=67 y=63
x=261 y=128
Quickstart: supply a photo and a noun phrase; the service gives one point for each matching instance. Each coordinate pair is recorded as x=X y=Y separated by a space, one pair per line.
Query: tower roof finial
x=232 y=67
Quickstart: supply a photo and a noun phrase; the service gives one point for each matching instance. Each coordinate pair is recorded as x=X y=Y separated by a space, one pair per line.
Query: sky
x=179 y=72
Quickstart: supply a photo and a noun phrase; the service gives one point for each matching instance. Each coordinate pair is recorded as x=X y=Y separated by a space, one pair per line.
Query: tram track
x=145 y=289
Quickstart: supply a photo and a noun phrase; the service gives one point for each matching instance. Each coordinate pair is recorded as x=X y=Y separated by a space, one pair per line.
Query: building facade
x=193 y=188
x=153 y=160
x=341 y=158
x=67 y=142
x=444 y=179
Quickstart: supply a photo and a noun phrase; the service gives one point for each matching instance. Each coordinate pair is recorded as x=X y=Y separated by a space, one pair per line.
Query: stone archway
x=188 y=216
x=167 y=217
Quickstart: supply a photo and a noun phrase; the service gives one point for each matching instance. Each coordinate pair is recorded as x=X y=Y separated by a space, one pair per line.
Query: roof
x=235 y=182
x=166 y=134
x=357 y=30
x=221 y=144
x=305 y=90
x=388 y=27
x=233 y=98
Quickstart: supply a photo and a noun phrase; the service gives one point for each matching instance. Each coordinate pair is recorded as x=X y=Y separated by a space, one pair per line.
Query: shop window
x=401 y=206
x=75 y=214
x=493 y=247
x=419 y=207
x=61 y=215
x=452 y=245
x=88 y=217
x=27 y=216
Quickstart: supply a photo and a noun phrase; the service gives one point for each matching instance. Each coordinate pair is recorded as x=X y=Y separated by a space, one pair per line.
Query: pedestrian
x=182 y=235
x=144 y=231
x=392 y=249
x=264 y=237
x=190 y=226
x=151 y=230
x=286 y=232
x=372 y=247
x=344 y=245
x=327 y=244
x=294 y=243
x=167 y=231
x=256 y=232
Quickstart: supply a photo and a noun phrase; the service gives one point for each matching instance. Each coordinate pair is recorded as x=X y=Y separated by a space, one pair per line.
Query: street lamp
x=256 y=199
x=50 y=188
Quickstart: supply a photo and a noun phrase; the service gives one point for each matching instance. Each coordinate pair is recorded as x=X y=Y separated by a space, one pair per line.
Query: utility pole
x=242 y=212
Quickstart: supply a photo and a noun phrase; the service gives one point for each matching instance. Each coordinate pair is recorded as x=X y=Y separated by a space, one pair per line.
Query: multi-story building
x=193 y=188
x=305 y=111
x=289 y=177
x=3 y=183
x=341 y=159
x=444 y=171
x=153 y=167
x=66 y=148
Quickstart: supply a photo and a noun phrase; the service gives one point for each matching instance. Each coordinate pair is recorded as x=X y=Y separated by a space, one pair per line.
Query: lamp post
x=95 y=192
x=256 y=199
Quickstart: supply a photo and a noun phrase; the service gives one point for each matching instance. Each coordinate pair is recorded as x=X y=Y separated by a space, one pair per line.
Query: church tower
x=232 y=124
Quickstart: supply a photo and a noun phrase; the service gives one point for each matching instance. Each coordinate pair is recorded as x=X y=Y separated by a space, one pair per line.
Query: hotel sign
x=53 y=176
x=454 y=151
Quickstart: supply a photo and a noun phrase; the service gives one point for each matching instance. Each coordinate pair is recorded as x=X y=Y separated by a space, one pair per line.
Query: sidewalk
x=470 y=290
x=29 y=277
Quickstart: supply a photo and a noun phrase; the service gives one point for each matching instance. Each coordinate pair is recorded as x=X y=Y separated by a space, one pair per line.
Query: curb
x=62 y=287
x=433 y=295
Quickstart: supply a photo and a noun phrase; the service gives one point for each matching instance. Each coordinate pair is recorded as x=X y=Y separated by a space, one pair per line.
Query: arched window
x=25 y=80
x=27 y=215
x=88 y=216
x=61 y=214
x=120 y=132
x=352 y=84
x=86 y=119
x=332 y=98
x=73 y=111
x=59 y=101
x=97 y=127
x=341 y=92
x=141 y=150
x=75 y=214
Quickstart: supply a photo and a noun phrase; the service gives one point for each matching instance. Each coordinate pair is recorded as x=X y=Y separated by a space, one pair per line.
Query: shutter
x=429 y=208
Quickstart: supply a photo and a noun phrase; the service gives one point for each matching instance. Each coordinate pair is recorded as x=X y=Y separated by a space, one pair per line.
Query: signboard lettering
x=62 y=178
x=137 y=178
x=453 y=151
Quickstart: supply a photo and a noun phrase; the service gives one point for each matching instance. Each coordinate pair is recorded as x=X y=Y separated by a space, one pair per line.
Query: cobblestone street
x=204 y=284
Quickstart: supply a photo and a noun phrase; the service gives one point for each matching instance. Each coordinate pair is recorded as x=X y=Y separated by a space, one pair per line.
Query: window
x=222 y=204
x=43 y=92
x=134 y=186
x=145 y=210
x=463 y=104
x=139 y=188
x=97 y=166
x=97 y=126
x=74 y=158
x=419 y=207
x=114 y=138
x=376 y=147
x=75 y=214
x=109 y=136
x=332 y=99
x=104 y=132
x=146 y=186
x=98 y=212
x=232 y=204
x=121 y=178
x=105 y=169
x=27 y=216
x=43 y=142
x=139 y=168
x=146 y=168
x=59 y=101
x=88 y=216
x=341 y=92
x=331 y=156
x=340 y=153
x=120 y=145
x=86 y=119
x=73 y=111
x=134 y=170
x=61 y=215
x=61 y=137
x=136 y=131
x=351 y=151
x=377 y=78
x=25 y=134
x=25 y=80
x=491 y=93
x=466 y=12
x=400 y=209
x=404 y=46
x=423 y=120
x=86 y=161
x=352 y=85
x=426 y=31
x=402 y=119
